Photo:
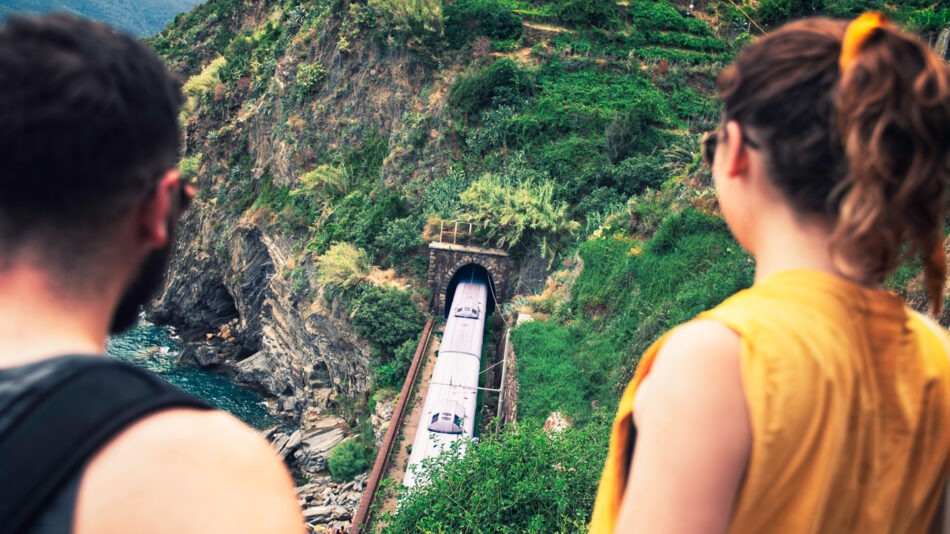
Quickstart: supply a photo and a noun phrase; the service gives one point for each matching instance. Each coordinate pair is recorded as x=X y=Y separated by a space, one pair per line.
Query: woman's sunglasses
x=711 y=141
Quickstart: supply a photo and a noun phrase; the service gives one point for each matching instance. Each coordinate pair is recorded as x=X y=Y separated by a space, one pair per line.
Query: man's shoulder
x=184 y=470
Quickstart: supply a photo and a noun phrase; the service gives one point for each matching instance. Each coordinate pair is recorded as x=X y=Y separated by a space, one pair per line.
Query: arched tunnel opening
x=471 y=271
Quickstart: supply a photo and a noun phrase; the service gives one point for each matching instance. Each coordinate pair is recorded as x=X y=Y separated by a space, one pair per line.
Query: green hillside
x=568 y=130
x=140 y=18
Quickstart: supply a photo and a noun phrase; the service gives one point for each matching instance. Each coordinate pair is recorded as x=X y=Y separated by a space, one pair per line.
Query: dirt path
x=545 y=27
x=397 y=466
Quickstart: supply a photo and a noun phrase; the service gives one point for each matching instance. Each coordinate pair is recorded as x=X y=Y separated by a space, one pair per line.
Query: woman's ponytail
x=893 y=118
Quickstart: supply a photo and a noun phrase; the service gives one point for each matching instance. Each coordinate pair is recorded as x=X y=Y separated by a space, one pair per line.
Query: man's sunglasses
x=711 y=141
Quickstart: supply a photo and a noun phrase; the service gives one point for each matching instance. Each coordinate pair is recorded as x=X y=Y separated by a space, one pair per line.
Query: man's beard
x=151 y=277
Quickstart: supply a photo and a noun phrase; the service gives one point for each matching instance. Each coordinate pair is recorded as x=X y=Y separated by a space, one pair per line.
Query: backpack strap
x=63 y=428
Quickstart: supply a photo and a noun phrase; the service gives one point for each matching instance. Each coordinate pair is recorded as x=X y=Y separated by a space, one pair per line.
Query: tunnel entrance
x=471 y=271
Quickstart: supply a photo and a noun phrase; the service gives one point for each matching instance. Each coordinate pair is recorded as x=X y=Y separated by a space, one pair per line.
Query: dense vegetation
x=567 y=130
x=520 y=480
x=141 y=17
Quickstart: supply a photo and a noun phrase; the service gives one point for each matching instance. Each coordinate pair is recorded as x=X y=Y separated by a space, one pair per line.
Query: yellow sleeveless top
x=849 y=401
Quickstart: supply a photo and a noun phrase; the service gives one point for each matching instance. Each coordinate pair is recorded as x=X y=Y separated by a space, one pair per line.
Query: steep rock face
x=242 y=315
x=229 y=291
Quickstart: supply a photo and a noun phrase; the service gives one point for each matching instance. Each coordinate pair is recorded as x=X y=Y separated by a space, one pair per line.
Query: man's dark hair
x=88 y=123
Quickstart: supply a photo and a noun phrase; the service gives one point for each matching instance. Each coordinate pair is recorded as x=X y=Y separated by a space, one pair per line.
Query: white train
x=449 y=407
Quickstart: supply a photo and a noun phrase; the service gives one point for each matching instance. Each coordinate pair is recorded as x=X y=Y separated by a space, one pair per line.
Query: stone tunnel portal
x=448 y=260
x=471 y=271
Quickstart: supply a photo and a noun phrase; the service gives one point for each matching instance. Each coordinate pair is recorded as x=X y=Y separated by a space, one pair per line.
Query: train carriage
x=450 y=403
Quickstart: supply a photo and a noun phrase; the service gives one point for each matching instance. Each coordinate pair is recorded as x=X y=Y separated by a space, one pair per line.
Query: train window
x=448 y=422
x=466 y=312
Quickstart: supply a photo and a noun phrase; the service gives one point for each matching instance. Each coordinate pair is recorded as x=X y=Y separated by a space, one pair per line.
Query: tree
x=387 y=317
x=347 y=459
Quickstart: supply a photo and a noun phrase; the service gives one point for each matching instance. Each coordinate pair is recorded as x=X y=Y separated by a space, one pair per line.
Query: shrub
x=508 y=211
x=468 y=19
x=326 y=181
x=189 y=166
x=399 y=238
x=308 y=78
x=774 y=12
x=365 y=161
x=587 y=12
x=386 y=317
x=342 y=267
x=348 y=459
x=522 y=480
x=661 y=15
x=299 y=280
x=502 y=82
x=632 y=132
x=202 y=83
x=392 y=373
x=634 y=175
x=415 y=22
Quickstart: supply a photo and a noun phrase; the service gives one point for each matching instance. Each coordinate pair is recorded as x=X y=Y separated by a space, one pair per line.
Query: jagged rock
x=381 y=417
x=281 y=347
x=315 y=447
x=318 y=513
x=285 y=445
x=280 y=441
x=206 y=355
x=259 y=371
x=269 y=433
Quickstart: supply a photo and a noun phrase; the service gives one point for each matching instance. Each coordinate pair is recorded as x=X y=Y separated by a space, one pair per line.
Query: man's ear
x=154 y=211
x=736 y=153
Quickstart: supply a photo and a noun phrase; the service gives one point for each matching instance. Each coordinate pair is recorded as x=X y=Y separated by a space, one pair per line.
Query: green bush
x=587 y=12
x=365 y=161
x=342 y=267
x=522 y=480
x=308 y=79
x=392 y=373
x=502 y=82
x=413 y=22
x=468 y=19
x=348 y=459
x=189 y=166
x=399 y=239
x=653 y=16
x=386 y=317
x=775 y=12
x=509 y=212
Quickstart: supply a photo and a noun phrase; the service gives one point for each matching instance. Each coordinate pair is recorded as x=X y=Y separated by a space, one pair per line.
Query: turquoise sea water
x=156 y=349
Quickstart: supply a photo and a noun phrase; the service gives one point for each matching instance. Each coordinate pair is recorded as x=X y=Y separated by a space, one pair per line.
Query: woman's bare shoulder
x=693 y=435
x=696 y=358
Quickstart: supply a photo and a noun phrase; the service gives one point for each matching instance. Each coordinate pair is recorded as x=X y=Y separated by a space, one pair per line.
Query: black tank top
x=72 y=387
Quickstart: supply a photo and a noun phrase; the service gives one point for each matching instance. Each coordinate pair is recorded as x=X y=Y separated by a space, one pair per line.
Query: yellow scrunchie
x=857 y=33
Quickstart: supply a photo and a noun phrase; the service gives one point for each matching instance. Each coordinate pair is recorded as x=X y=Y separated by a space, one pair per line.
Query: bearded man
x=89 y=202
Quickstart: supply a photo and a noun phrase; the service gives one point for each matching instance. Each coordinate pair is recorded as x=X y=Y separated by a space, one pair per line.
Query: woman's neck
x=784 y=241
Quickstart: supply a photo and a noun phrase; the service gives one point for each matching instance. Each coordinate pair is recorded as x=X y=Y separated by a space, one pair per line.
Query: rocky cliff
x=229 y=291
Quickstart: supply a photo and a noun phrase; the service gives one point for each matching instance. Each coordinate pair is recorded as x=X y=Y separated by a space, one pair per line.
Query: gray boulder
x=260 y=372
x=314 y=449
